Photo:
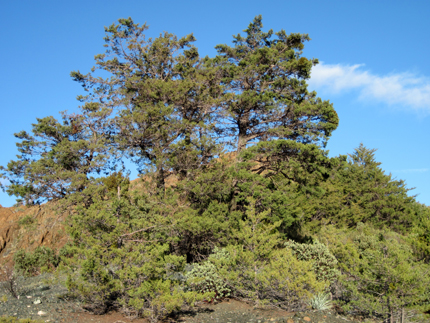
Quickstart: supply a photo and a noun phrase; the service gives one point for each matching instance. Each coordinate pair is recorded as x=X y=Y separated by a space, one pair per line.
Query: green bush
x=120 y=257
x=31 y=263
x=204 y=277
x=258 y=268
x=323 y=262
x=26 y=221
x=381 y=276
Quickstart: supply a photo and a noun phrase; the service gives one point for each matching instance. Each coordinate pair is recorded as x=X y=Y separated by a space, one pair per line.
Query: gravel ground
x=38 y=299
x=240 y=312
x=42 y=298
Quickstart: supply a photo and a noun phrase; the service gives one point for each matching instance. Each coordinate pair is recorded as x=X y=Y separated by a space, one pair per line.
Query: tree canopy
x=266 y=95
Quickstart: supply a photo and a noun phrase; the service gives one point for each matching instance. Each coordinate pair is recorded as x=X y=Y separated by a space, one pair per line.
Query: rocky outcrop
x=29 y=227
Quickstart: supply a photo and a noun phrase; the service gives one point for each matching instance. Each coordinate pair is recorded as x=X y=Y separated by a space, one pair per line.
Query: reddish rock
x=46 y=229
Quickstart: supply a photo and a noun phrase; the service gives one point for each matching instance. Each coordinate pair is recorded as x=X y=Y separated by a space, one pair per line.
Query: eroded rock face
x=29 y=227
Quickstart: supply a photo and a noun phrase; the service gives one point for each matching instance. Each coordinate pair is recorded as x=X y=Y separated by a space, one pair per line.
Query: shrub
x=204 y=277
x=11 y=319
x=30 y=263
x=26 y=221
x=8 y=280
x=259 y=269
x=321 y=302
x=381 y=276
x=120 y=257
x=324 y=263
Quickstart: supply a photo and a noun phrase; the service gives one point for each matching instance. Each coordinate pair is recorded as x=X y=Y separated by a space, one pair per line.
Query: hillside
x=28 y=228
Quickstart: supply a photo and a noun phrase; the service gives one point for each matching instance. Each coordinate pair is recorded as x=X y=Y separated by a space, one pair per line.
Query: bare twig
x=8 y=280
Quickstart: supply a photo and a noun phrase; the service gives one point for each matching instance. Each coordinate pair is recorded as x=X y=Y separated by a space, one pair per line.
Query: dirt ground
x=232 y=311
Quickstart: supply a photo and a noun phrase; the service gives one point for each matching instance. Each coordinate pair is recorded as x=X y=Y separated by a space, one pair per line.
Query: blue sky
x=374 y=64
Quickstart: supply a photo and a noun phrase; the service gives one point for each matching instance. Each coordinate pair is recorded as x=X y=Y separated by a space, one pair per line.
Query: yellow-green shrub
x=381 y=276
x=261 y=269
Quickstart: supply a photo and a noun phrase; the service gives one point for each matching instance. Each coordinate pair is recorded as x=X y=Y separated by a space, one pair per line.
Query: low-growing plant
x=8 y=280
x=11 y=319
x=380 y=275
x=32 y=263
x=321 y=302
x=120 y=257
x=26 y=221
x=258 y=268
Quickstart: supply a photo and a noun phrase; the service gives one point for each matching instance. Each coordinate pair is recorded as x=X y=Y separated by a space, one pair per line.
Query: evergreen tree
x=266 y=92
x=259 y=269
x=59 y=160
x=382 y=277
x=360 y=191
x=166 y=94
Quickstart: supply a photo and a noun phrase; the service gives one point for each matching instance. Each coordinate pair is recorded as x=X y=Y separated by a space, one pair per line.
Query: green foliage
x=204 y=278
x=381 y=276
x=324 y=263
x=282 y=176
x=358 y=190
x=31 y=263
x=166 y=94
x=11 y=319
x=419 y=238
x=120 y=256
x=266 y=92
x=26 y=221
x=56 y=160
x=260 y=270
x=244 y=219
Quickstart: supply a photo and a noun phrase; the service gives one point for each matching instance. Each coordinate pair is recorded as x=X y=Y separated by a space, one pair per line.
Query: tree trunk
x=243 y=126
x=161 y=180
x=183 y=172
x=241 y=143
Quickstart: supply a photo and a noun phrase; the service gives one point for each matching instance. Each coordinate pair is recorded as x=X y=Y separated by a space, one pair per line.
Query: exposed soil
x=28 y=228
x=241 y=312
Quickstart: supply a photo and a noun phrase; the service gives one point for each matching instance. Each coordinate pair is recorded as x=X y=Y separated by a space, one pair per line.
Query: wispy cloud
x=405 y=90
x=412 y=170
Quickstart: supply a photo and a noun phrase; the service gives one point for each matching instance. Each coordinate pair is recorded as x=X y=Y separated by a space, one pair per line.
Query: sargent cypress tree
x=166 y=95
x=358 y=190
x=266 y=92
x=59 y=159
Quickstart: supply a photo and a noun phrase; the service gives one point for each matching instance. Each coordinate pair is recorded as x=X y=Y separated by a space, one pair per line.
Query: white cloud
x=401 y=89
